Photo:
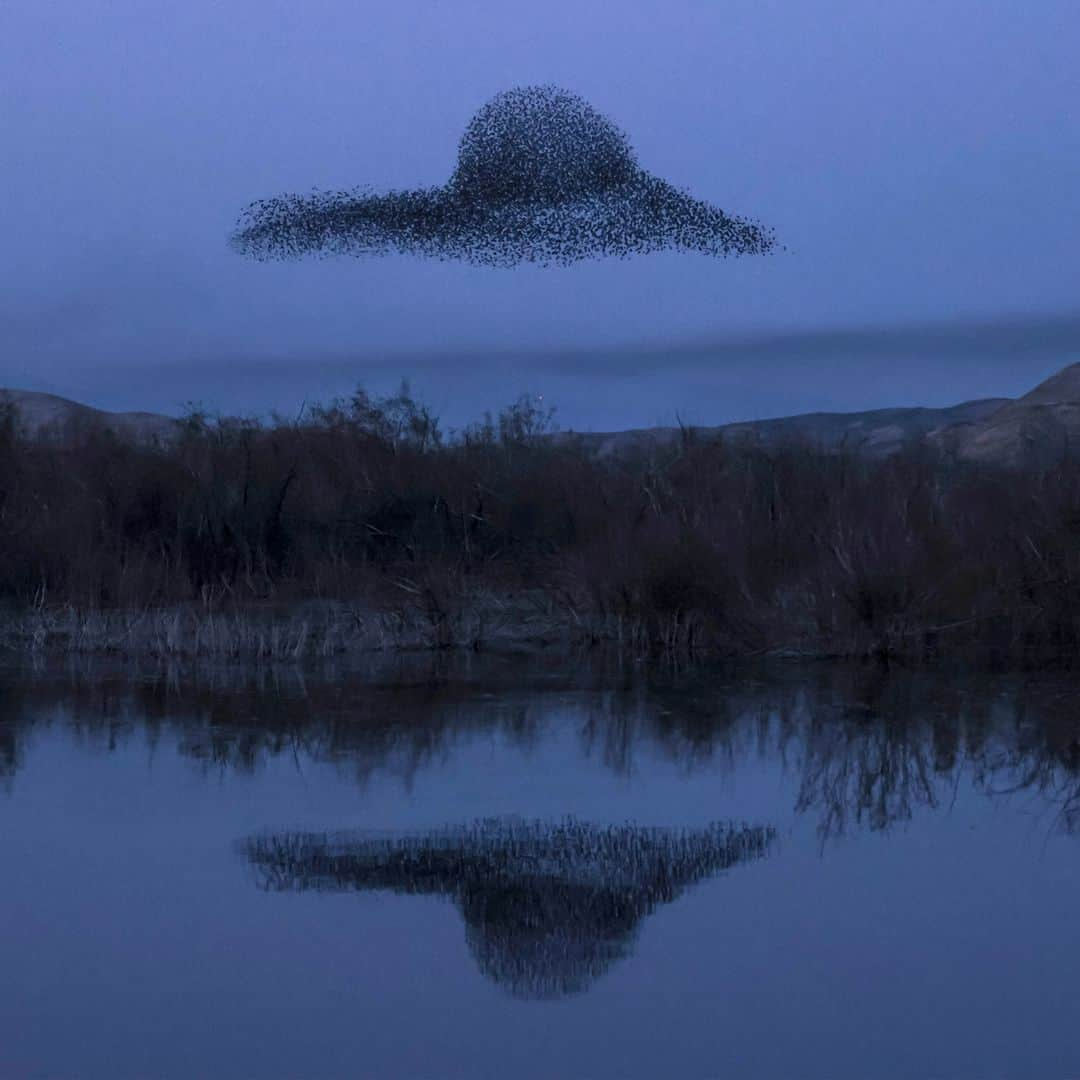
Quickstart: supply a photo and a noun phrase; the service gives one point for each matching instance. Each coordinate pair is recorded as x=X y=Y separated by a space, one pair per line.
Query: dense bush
x=706 y=545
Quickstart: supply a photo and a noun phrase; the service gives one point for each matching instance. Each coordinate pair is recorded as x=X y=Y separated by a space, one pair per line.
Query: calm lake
x=529 y=867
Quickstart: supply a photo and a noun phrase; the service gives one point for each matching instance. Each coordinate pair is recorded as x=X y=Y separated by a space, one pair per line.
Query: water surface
x=537 y=868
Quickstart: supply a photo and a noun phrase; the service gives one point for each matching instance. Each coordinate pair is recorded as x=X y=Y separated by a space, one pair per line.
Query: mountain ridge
x=1038 y=426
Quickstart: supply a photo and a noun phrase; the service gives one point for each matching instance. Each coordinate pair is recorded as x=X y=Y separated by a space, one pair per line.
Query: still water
x=516 y=868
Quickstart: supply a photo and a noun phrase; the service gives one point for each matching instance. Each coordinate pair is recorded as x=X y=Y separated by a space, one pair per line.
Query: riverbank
x=364 y=528
x=316 y=632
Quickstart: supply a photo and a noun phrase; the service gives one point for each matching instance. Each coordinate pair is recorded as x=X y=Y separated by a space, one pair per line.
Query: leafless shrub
x=365 y=506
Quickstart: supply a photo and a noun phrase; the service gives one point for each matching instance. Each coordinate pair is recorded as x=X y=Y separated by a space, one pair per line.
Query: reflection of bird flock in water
x=541 y=177
x=547 y=907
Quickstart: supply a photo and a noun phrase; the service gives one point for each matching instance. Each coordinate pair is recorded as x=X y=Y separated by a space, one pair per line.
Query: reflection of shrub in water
x=866 y=746
x=9 y=751
x=547 y=907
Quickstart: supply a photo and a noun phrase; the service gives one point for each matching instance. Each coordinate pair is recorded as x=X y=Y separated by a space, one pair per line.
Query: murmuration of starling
x=541 y=177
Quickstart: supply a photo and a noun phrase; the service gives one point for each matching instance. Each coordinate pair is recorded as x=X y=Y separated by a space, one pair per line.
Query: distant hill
x=1041 y=426
x=1038 y=427
x=41 y=416
x=879 y=431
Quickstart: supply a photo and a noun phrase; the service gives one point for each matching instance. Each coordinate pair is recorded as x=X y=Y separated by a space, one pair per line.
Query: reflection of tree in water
x=878 y=747
x=9 y=751
x=1042 y=758
x=399 y=717
x=11 y=736
x=548 y=908
x=871 y=775
x=867 y=747
x=875 y=754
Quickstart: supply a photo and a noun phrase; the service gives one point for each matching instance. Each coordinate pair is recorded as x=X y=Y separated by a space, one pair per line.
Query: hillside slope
x=42 y=416
x=878 y=432
x=1038 y=428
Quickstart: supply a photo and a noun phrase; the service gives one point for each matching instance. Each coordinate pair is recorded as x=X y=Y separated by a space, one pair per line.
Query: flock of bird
x=541 y=177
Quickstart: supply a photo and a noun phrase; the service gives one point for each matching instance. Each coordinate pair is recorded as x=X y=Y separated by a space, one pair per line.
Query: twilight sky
x=921 y=161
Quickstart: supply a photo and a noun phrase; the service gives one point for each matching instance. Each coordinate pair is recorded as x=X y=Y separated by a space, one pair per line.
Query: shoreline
x=364 y=530
x=315 y=631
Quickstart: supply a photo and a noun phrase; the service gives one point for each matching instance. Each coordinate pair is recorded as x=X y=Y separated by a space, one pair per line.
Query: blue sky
x=920 y=161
